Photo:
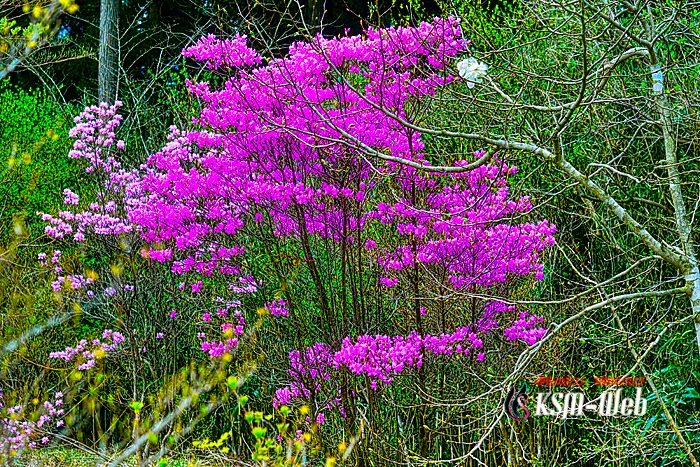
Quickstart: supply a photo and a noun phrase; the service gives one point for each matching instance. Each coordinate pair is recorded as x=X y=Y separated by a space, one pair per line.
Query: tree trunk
x=108 y=67
x=692 y=273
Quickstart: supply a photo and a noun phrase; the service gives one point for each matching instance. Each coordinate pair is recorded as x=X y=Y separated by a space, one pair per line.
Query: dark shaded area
x=154 y=33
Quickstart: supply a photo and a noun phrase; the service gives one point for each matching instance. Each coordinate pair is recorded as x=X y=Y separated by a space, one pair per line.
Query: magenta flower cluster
x=86 y=352
x=259 y=140
x=379 y=358
x=462 y=228
x=230 y=330
x=526 y=328
x=232 y=53
x=277 y=307
x=289 y=145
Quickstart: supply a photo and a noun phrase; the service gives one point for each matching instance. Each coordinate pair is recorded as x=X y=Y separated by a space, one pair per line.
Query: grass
x=69 y=457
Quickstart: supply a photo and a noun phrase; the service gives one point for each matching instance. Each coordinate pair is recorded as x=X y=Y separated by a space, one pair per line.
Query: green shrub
x=34 y=146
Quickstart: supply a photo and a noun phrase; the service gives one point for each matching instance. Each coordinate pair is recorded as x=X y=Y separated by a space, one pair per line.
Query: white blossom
x=472 y=70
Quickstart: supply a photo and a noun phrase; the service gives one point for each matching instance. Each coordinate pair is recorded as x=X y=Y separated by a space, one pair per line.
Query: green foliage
x=35 y=167
x=34 y=170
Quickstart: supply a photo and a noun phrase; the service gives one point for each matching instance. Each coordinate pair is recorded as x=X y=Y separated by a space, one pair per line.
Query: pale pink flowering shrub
x=76 y=282
x=70 y=197
x=21 y=428
x=86 y=352
x=95 y=134
x=72 y=281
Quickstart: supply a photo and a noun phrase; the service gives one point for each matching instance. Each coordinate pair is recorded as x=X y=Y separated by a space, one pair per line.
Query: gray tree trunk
x=108 y=66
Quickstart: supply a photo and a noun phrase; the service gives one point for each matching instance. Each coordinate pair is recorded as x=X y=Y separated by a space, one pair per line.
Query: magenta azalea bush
x=307 y=160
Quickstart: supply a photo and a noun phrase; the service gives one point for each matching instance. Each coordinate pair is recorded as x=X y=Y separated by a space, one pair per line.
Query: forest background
x=594 y=102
